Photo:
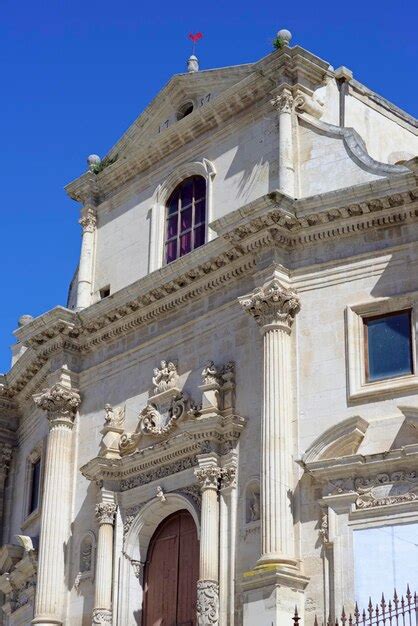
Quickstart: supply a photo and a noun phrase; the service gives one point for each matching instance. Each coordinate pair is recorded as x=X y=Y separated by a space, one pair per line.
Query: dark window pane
x=186 y=219
x=34 y=486
x=199 y=188
x=185 y=243
x=187 y=192
x=199 y=236
x=199 y=212
x=171 y=251
x=172 y=226
x=173 y=203
x=389 y=346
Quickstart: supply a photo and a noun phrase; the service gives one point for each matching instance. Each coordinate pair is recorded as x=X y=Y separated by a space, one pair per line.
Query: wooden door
x=171 y=573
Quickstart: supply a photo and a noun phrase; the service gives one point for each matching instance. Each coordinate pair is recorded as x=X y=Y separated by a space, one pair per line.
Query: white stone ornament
x=165 y=377
x=285 y=36
x=207 y=602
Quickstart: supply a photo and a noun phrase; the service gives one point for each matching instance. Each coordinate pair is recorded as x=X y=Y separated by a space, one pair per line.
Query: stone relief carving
x=158 y=472
x=114 y=418
x=19 y=583
x=207 y=602
x=323 y=527
x=129 y=516
x=218 y=388
x=193 y=493
x=160 y=494
x=379 y=490
x=229 y=476
x=165 y=377
x=210 y=374
x=252 y=502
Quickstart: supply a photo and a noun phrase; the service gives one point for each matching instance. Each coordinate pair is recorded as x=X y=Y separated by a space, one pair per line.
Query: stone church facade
x=230 y=397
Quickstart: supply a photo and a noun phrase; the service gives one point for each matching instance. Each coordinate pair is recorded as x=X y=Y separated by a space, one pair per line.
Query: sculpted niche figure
x=165 y=377
x=210 y=374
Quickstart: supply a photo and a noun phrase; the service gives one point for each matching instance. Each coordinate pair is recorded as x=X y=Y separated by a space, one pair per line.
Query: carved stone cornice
x=208 y=477
x=273 y=220
x=105 y=512
x=272 y=305
x=88 y=221
x=60 y=403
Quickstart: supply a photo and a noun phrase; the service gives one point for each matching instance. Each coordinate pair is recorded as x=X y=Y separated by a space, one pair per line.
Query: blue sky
x=75 y=74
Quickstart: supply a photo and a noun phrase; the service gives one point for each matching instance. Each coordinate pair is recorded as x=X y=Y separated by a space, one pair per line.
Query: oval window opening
x=184 y=110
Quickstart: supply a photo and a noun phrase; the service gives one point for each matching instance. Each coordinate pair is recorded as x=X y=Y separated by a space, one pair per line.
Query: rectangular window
x=385 y=558
x=388 y=346
x=35 y=483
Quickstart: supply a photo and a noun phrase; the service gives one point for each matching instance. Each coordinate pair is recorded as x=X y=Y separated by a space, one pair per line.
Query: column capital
x=272 y=305
x=283 y=103
x=105 y=512
x=88 y=220
x=60 y=403
x=6 y=452
x=229 y=476
x=208 y=476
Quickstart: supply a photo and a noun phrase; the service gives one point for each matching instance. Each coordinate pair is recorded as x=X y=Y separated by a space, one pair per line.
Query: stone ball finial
x=24 y=319
x=93 y=160
x=285 y=36
x=192 y=63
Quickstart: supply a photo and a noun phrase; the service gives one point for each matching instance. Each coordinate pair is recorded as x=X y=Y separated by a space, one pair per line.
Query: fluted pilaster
x=102 y=612
x=284 y=106
x=208 y=583
x=274 y=308
x=61 y=405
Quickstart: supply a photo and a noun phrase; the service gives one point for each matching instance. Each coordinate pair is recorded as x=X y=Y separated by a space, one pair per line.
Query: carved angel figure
x=165 y=377
x=114 y=418
x=210 y=373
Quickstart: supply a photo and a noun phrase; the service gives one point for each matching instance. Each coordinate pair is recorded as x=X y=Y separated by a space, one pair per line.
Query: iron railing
x=399 y=611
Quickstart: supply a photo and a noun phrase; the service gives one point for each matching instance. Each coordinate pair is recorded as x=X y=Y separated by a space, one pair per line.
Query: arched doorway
x=171 y=573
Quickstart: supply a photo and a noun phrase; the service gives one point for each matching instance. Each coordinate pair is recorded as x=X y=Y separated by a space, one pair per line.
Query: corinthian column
x=85 y=268
x=102 y=612
x=284 y=106
x=274 y=308
x=208 y=584
x=60 y=404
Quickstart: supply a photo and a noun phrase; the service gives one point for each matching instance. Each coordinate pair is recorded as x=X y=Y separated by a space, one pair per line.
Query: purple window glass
x=185 y=218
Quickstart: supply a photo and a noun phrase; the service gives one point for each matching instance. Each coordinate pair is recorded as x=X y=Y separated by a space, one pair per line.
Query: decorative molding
x=129 y=516
x=193 y=493
x=207 y=602
x=18 y=583
x=60 y=403
x=105 y=512
x=157 y=473
x=272 y=304
x=339 y=440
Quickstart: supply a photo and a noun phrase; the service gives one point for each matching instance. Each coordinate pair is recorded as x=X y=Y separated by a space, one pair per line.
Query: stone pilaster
x=60 y=404
x=85 y=269
x=283 y=103
x=208 y=475
x=227 y=534
x=102 y=612
x=6 y=452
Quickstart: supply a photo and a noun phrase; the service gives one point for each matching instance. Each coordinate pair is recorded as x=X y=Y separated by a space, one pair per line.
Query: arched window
x=185 y=227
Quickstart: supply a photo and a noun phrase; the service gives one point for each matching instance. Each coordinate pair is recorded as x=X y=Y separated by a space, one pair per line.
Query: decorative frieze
x=272 y=304
x=207 y=602
x=381 y=489
x=158 y=472
x=105 y=512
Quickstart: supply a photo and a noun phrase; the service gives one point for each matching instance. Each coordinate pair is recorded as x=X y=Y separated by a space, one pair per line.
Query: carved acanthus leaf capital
x=208 y=477
x=283 y=103
x=105 y=512
x=229 y=476
x=59 y=402
x=88 y=221
x=272 y=304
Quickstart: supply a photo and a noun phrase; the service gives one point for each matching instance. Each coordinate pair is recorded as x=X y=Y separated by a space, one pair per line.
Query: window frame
x=180 y=209
x=37 y=455
x=358 y=385
x=367 y=318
